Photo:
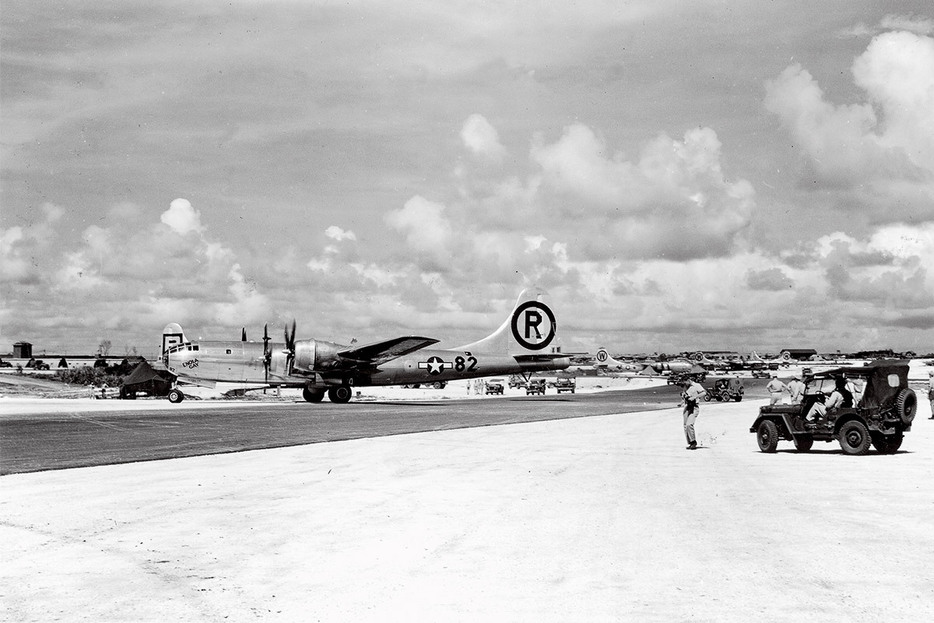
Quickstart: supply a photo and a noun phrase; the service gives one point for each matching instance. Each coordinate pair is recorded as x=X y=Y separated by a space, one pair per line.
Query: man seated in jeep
x=840 y=398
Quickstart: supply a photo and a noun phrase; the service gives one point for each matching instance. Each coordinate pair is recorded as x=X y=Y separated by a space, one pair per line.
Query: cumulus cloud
x=21 y=246
x=881 y=149
x=182 y=217
x=128 y=271
x=768 y=279
x=911 y=23
x=428 y=233
x=673 y=201
x=481 y=138
x=889 y=268
x=336 y=233
x=897 y=74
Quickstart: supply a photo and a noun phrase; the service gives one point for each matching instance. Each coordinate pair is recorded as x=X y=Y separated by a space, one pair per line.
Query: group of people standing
x=777 y=389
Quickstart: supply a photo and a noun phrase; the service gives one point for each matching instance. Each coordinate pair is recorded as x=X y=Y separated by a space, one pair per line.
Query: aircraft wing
x=381 y=352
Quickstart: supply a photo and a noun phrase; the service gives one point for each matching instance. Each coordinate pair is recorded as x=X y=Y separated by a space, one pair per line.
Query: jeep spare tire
x=906 y=405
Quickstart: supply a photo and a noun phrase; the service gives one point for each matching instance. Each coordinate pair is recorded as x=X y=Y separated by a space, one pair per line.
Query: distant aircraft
x=701 y=358
x=677 y=366
x=783 y=359
x=608 y=364
x=320 y=367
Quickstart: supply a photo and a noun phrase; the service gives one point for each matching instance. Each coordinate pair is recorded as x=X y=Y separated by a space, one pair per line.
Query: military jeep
x=726 y=389
x=880 y=416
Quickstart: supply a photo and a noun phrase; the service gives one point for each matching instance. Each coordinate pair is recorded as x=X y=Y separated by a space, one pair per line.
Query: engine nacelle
x=316 y=355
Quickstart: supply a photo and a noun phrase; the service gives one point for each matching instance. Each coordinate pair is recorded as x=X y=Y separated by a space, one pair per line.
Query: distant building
x=22 y=350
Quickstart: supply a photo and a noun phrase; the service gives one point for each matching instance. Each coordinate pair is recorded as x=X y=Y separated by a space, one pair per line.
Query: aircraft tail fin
x=528 y=331
x=172 y=335
x=604 y=360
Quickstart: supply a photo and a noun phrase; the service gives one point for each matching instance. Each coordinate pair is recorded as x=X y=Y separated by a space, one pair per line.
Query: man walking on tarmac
x=692 y=395
x=931 y=392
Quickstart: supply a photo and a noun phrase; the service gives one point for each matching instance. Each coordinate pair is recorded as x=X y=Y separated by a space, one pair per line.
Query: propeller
x=267 y=354
x=243 y=334
x=289 y=348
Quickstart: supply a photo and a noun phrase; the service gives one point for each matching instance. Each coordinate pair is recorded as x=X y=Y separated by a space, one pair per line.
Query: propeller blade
x=267 y=355
x=289 y=347
x=243 y=334
x=290 y=337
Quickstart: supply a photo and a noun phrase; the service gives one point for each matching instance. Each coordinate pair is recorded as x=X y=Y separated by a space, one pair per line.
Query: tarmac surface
x=599 y=518
x=41 y=441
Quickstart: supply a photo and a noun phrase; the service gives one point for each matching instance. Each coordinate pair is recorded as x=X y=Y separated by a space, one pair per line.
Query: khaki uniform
x=796 y=390
x=692 y=397
x=775 y=388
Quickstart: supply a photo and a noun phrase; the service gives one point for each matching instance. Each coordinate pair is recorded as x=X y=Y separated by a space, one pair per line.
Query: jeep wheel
x=854 y=438
x=767 y=436
x=887 y=444
x=738 y=397
x=906 y=405
x=803 y=443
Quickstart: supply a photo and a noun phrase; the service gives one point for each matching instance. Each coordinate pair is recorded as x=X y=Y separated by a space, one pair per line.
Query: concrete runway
x=46 y=441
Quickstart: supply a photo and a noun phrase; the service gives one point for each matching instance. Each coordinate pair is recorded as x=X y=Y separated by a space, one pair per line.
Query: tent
x=144 y=378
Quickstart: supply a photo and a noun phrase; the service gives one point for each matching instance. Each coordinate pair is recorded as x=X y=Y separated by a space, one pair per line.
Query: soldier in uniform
x=796 y=390
x=931 y=392
x=775 y=388
x=692 y=395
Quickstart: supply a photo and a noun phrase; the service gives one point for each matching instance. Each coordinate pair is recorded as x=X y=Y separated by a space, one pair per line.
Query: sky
x=678 y=176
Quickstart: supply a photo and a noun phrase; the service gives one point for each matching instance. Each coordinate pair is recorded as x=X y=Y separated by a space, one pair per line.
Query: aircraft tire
x=312 y=396
x=340 y=394
x=176 y=396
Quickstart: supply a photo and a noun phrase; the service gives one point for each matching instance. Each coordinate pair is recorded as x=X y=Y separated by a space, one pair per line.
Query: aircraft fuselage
x=209 y=362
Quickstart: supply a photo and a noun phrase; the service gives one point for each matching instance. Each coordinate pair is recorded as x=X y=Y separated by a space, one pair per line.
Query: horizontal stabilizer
x=541 y=357
x=381 y=352
x=543 y=361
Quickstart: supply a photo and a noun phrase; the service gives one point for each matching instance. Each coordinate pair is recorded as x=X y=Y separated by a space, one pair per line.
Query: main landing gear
x=312 y=395
x=339 y=394
x=176 y=396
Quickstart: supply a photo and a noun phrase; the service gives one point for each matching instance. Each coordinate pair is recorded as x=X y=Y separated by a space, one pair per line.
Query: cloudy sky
x=677 y=175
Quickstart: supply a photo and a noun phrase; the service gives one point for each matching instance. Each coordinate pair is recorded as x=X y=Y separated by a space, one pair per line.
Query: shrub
x=85 y=375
